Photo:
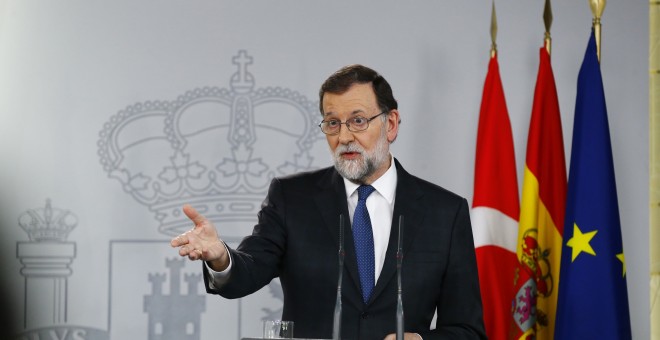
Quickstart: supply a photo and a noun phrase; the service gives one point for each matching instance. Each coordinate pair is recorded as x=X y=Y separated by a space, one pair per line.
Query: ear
x=393 y=119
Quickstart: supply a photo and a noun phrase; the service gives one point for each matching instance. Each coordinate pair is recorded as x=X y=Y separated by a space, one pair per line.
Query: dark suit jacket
x=297 y=240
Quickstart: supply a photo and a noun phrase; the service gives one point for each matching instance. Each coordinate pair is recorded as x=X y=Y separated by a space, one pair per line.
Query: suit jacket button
x=364 y=315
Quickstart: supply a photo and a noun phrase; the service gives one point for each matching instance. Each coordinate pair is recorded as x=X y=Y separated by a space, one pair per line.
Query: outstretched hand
x=202 y=241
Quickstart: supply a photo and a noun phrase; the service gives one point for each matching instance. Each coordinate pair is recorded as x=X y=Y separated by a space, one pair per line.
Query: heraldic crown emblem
x=48 y=224
x=215 y=148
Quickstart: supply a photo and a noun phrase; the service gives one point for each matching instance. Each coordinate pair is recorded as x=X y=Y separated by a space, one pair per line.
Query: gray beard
x=359 y=170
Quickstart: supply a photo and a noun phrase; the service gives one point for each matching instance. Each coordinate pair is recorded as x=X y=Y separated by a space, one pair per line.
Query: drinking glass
x=278 y=329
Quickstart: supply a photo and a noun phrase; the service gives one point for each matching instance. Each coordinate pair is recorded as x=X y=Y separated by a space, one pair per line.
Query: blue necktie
x=364 y=242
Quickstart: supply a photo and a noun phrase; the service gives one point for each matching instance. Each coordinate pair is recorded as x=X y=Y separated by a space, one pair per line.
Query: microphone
x=336 y=327
x=399 y=299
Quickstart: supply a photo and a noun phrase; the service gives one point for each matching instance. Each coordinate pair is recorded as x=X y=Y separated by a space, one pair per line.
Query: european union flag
x=593 y=299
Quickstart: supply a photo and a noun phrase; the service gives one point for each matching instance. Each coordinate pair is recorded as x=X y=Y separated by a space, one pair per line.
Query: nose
x=345 y=135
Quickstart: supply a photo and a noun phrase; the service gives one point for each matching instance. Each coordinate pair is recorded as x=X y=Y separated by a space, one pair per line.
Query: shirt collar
x=385 y=184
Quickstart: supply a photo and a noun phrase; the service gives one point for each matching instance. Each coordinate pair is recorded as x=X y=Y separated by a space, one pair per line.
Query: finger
x=195 y=254
x=193 y=215
x=390 y=337
x=179 y=240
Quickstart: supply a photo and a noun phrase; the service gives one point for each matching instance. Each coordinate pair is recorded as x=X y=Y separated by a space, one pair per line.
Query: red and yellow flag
x=542 y=214
x=495 y=206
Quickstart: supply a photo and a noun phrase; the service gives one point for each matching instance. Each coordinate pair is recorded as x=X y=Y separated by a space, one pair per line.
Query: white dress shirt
x=380 y=205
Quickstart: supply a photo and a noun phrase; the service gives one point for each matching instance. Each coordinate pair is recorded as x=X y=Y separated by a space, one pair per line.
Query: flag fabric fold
x=495 y=205
x=541 y=214
x=593 y=298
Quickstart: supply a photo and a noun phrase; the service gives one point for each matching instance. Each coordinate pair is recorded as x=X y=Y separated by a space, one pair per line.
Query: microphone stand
x=399 y=300
x=336 y=327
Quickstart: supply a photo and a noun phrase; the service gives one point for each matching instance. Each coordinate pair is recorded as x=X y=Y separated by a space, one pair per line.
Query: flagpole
x=493 y=32
x=597 y=8
x=547 y=20
x=654 y=165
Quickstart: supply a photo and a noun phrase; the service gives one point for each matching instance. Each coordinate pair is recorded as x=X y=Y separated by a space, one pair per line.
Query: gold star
x=580 y=242
x=622 y=258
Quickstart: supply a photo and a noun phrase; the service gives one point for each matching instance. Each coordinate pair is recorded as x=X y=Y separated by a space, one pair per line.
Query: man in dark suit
x=297 y=235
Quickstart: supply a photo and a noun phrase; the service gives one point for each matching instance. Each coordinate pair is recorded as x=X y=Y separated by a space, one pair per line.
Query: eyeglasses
x=354 y=124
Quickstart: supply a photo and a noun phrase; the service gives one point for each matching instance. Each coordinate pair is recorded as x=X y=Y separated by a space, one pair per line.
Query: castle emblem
x=215 y=148
x=166 y=321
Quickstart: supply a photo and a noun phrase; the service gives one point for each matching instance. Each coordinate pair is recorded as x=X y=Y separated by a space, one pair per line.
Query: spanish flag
x=495 y=206
x=593 y=299
x=541 y=214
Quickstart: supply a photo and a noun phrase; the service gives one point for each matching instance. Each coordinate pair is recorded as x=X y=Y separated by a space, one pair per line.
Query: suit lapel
x=331 y=201
x=408 y=204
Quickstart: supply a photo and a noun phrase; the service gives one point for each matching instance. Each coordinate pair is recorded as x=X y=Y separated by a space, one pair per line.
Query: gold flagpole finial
x=493 y=32
x=547 y=20
x=597 y=8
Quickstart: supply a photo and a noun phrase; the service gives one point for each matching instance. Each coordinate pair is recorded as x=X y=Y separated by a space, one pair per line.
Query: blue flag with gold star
x=593 y=299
